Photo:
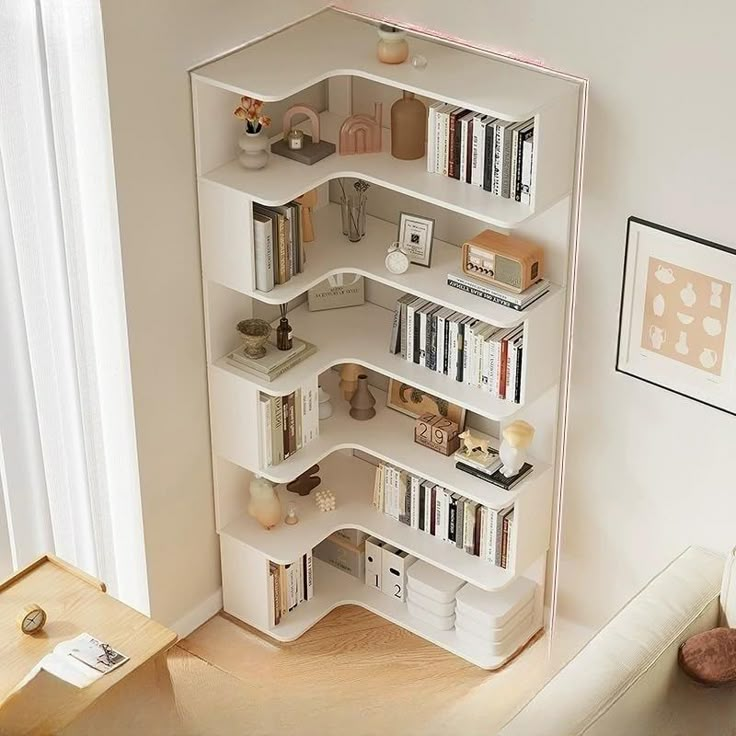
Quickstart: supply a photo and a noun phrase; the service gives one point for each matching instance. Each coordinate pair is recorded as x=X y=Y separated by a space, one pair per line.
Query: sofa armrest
x=683 y=598
x=728 y=592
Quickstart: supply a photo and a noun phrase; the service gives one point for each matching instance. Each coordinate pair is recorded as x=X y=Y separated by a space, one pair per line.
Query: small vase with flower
x=253 y=141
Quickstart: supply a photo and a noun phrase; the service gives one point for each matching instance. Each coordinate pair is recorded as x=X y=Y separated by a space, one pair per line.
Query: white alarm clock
x=396 y=260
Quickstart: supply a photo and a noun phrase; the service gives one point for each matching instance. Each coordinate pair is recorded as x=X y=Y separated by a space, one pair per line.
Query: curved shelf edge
x=309 y=613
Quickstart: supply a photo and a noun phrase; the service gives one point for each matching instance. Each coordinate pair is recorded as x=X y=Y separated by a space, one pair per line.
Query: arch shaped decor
x=314 y=148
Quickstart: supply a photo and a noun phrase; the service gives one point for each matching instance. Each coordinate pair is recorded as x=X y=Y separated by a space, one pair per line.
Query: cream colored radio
x=505 y=261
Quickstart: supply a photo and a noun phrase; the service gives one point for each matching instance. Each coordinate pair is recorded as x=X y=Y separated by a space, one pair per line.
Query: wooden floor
x=351 y=673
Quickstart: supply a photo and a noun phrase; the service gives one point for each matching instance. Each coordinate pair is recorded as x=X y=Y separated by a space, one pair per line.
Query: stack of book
x=279 y=249
x=488 y=468
x=496 y=155
x=496 y=294
x=290 y=585
x=274 y=362
x=449 y=516
x=288 y=423
x=463 y=348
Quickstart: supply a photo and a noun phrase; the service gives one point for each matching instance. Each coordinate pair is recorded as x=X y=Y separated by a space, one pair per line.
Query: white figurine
x=516 y=439
x=325 y=500
x=264 y=504
x=471 y=444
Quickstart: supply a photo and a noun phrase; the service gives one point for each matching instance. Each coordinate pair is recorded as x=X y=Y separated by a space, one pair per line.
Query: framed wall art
x=416 y=234
x=409 y=400
x=677 y=325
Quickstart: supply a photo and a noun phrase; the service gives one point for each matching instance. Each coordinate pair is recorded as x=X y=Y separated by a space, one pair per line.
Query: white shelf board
x=351 y=479
x=332 y=253
x=361 y=335
x=389 y=436
x=332 y=44
x=283 y=180
x=335 y=588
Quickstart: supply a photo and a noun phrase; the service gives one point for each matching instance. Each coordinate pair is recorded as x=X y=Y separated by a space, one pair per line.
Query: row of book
x=495 y=294
x=464 y=348
x=288 y=423
x=428 y=507
x=496 y=155
x=290 y=585
x=279 y=248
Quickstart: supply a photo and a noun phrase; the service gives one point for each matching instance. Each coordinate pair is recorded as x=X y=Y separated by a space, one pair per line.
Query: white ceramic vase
x=325 y=404
x=253 y=149
x=264 y=505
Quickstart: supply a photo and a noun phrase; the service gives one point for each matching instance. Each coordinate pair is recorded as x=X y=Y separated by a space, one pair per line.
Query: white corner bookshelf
x=318 y=60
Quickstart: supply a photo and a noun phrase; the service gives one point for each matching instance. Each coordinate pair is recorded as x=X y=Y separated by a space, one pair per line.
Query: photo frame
x=677 y=321
x=414 y=402
x=416 y=235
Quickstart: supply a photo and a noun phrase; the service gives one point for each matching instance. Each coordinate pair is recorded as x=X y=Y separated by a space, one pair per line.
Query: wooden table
x=75 y=603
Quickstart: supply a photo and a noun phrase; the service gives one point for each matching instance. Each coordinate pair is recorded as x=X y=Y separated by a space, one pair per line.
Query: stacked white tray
x=495 y=622
x=431 y=595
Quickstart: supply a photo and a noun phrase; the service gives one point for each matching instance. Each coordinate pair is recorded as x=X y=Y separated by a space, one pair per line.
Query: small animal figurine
x=471 y=444
x=516 y=439
x=264 y=505
x=325 y=500
x=306 y=482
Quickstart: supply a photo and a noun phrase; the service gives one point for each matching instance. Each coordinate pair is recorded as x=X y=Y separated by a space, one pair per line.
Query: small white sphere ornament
x=397 y=262
x=516 y=439
x=419 y=62
x=325 y=500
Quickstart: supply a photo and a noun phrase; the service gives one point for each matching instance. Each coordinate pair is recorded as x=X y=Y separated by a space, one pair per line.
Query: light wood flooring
x=351 y=673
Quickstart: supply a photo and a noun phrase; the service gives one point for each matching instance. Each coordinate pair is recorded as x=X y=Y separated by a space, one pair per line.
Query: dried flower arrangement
x=250 y=110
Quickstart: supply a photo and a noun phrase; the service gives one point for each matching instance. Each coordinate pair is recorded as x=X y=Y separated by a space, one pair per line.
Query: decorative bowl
x=255 y=334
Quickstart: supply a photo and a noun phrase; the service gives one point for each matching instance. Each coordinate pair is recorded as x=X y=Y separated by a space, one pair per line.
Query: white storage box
x=493 y=609
x=394 y=566
x=430 y=581
x=339 y=553
x=444 y=623
x=504 y=648
x=438 y=609
x=354 y=536
x=373 y=554
x=482 y=631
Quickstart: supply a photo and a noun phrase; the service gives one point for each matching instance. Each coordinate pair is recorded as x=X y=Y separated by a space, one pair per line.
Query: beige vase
x=408 y=128
x=363 y=402
x=264 y=505
x=393 y=47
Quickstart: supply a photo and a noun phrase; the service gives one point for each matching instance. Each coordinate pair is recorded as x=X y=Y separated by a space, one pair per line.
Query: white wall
x=649 y=472
x=149 y=47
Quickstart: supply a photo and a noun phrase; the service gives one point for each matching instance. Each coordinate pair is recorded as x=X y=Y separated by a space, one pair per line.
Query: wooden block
x=437 y=433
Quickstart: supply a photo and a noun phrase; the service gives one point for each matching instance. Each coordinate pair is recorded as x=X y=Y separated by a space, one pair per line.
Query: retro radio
x=508 y=262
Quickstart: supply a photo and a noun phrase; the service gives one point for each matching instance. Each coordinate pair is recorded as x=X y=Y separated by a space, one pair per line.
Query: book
x=496 y=477
x=293 y=359
x=277 y=430
x=272 y=359
x=490 y=172
x=264 y=414
x=490 y=291
x=262 y=238
x=527 y=163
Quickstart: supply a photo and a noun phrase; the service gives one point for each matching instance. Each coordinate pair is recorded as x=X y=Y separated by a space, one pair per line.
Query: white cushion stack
x=431 y=595
x=495 y=622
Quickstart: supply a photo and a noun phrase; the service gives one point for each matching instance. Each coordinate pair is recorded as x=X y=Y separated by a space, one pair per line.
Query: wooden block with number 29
x=437 y=433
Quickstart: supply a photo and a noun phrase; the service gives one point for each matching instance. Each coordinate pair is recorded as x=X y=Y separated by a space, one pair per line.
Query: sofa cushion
x=728 y=592
x=710 y=657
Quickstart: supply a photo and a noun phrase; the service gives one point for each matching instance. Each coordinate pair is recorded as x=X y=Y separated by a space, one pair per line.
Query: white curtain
x=68 y=461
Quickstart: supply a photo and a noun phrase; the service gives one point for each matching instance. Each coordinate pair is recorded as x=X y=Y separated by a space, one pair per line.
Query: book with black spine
x=489 y=146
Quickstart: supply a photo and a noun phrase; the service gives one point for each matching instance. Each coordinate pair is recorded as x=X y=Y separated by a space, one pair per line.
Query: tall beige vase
x=408 y=128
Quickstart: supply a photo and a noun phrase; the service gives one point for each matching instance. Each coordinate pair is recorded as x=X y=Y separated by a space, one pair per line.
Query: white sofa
x=626 y=681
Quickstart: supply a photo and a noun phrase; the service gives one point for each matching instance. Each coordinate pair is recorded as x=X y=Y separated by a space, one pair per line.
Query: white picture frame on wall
x=677 y=323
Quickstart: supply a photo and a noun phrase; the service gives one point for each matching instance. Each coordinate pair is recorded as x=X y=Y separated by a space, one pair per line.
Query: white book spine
x=396 y=493
x=437 y=510
x=441 y=322
x=515 y=142
x=477 y=133
x=452 y=357
x=423 y=339
x=490 y=553
x=438 y=121
x=428 y=510
x=481 y=153
x=262 y=236
x=431 y=123
x=410 y=313
x=414 y=519
x=527 y=157
x=265 y=421
x=441 y=531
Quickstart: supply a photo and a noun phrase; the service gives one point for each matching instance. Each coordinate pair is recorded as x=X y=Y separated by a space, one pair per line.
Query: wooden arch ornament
x=314 y=148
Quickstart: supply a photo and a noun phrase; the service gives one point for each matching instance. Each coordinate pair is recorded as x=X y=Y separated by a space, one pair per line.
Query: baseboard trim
x=198 y=615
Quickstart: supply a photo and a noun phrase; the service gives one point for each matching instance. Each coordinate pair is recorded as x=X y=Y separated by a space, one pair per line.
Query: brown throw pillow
x=710 y=658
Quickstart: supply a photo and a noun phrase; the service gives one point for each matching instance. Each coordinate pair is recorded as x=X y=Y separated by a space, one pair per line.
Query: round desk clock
x=396 y=261
x=31 y=619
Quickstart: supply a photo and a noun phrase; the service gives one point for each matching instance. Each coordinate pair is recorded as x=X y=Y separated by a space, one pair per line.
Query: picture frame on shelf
x=412 y=401
x=677 y=322
x=416 y=235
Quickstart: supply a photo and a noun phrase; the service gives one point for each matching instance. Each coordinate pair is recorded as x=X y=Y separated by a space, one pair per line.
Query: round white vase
x=253 y=149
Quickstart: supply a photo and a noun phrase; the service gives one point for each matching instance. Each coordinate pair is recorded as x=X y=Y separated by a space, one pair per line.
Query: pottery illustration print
x=685 y=316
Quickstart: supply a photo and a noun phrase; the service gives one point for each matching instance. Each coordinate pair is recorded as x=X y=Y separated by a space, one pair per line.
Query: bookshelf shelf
x=331 y=253
x=351 y=479
x=336 y=588
x=388 y=436
x=360 y=335
x=325 y=60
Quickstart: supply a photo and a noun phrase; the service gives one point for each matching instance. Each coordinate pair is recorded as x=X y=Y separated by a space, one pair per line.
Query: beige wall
x=149 y=47
x=649 y=472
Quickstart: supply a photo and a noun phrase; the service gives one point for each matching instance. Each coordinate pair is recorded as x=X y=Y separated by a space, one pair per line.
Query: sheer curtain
x=68 y=461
